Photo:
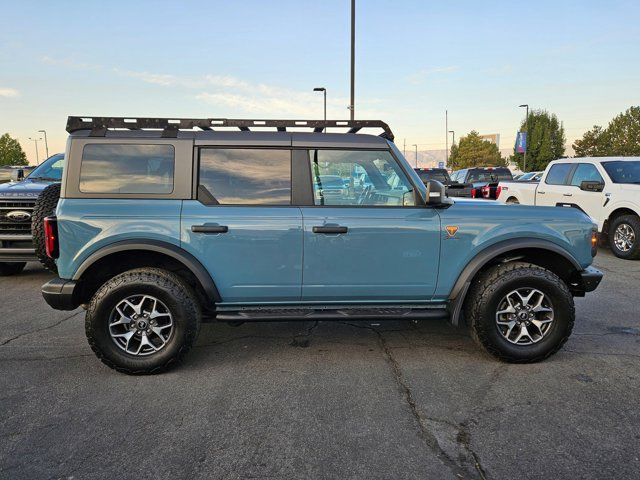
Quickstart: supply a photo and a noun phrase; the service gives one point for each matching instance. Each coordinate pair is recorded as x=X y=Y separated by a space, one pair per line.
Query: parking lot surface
x=323 y=400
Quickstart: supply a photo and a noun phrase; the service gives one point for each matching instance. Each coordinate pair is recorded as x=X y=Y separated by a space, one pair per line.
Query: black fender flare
x=461 y=287
x=169 y=249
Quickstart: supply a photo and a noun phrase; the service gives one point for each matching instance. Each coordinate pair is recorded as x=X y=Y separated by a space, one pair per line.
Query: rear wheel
x=8 y=269
x=45 y=207
x=143 y=321
x=520 y=312
x=624 y=237
x=513 y=201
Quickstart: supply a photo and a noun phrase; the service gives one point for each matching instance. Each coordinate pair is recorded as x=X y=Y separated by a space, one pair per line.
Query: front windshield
x=623 y=172
x=50 y=169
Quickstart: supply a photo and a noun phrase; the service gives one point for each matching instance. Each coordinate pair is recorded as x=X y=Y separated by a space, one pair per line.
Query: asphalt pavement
x=323 y=400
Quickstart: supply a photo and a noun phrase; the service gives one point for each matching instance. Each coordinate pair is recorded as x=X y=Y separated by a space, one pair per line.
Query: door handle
x=567 y=194
x=330 y=229
x=542 y=193
x=209 y=228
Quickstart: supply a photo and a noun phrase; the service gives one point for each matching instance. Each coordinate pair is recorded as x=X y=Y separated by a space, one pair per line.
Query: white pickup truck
x=607 y=189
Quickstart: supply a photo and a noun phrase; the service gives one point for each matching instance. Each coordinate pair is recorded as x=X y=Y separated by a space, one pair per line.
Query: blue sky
x=261 y=59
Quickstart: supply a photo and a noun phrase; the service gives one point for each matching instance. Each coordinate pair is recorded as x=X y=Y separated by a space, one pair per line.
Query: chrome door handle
x=542 y=193
x=567 y=194
x=209 y=228
x=330 y=229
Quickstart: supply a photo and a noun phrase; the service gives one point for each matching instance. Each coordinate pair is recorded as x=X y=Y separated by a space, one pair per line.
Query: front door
x=555 y=190
x=367 y=238
x=243 y=228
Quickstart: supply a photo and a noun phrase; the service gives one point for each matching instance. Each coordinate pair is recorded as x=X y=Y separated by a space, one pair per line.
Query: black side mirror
x=591 y=186
x=17 y=174
x=435 y=193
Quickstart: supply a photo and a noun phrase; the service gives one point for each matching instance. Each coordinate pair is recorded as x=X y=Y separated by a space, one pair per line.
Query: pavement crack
x=39 y=329
x=304 y=340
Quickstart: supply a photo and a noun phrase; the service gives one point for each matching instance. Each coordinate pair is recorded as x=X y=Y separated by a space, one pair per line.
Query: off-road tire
x=45 y=207
x=490 y=287
x=632 y=221
x=7 y=269
x=169 y=288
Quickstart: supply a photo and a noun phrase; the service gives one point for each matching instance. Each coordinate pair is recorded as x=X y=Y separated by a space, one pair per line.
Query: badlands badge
x=451 y=230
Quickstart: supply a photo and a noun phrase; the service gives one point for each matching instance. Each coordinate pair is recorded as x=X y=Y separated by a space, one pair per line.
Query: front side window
x=127 y=169
x=558 y=174
x=244 y=176
x=359 y=178
x=585 y=172
x=623 y=171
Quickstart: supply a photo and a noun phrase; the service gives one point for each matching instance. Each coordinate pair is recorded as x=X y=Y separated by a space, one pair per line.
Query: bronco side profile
x=163 y=223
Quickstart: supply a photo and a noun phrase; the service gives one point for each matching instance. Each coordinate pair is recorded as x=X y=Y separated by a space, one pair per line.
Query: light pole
x=35 y=142
x=446 y=137
x=324 y=91
x=526 y=129
x=416 y=145
x=352 y=106
x=453 y=142
x=46 y=144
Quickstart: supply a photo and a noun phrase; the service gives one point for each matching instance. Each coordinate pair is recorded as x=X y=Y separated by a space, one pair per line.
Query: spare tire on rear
x=45 y=207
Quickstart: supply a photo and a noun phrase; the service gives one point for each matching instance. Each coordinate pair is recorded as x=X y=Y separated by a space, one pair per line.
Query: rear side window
x=585 y=172
x=558 y=174
x=127 y=169
x=243 y=176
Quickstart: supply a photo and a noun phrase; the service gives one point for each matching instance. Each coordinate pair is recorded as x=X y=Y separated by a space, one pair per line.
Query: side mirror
x=17 y=174
x=591 y=186
x=436 y=192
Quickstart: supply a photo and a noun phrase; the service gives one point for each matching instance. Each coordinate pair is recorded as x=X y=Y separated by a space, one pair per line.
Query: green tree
x=545 y=141
x=474 y=151
x=11 y=152
x=620 y=138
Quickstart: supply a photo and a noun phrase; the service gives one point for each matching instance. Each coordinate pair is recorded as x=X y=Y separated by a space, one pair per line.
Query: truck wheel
x=143 y=321
x=513 y=201
x=8 y=269
x=45 y=207
x=520 y=312
x=624 y=237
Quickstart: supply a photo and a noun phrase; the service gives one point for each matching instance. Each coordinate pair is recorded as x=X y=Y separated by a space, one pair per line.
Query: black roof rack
x=170 y=126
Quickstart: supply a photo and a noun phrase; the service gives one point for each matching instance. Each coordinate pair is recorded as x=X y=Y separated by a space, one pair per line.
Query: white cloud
x=9 y=92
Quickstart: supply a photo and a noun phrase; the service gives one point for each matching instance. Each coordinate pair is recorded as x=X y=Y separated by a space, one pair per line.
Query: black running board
x=279 y=314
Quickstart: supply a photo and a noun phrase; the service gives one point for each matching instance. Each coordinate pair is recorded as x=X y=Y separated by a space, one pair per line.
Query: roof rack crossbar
x=170 y=126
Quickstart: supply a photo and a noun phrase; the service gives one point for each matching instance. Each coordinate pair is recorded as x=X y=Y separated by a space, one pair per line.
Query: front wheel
x=520 y=312
x=624 y=237
x=143 y=321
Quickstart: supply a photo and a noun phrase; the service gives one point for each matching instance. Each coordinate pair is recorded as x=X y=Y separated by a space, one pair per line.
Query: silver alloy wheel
x=624 y=237
x=141 y=325
x=524 y=316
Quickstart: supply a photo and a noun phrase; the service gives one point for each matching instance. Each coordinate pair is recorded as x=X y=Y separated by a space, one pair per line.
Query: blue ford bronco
x=164 y=223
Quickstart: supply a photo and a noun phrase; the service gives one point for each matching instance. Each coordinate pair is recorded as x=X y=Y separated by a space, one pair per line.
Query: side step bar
x=288 y=314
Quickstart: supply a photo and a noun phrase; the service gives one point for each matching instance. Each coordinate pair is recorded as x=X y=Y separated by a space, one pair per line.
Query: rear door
x=372 y=242
x=243 y=227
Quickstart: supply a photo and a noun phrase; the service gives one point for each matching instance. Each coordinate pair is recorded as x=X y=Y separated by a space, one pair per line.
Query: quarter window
x=585 y=172
x=127 y=169
x=358 y=178
x=242 y=176
x=558 y=174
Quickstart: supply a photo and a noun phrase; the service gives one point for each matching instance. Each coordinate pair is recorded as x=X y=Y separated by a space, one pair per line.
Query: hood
x=25 y=188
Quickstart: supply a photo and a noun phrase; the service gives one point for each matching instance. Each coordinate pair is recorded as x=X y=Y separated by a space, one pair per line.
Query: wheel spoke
x=524 y=316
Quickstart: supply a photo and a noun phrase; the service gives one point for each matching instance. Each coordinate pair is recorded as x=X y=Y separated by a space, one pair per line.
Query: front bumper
x=61 y=294
x=591 y=278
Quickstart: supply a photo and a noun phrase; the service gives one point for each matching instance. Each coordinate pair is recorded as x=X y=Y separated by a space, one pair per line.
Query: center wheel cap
x=142 y=324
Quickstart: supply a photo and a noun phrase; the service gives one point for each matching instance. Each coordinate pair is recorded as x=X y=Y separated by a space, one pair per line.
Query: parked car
x=442 y=175
x=157 y=230
x=18 y=209
x=607 y=189
x=479 y=177
x=528 y=177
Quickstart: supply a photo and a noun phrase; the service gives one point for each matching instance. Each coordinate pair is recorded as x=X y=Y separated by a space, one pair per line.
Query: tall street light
x=324 y=91
x=416 y=145
x=35 y=142
x=352 y=106
x=453 y=142
x=46 y=144
x=526 y=129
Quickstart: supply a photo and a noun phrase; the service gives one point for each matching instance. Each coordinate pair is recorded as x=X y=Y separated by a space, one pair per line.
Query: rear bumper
x=18 y=255
x=61 y=294
x=591 y=278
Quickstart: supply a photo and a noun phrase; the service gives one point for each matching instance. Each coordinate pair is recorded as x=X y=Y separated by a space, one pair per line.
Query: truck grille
x=13 y=224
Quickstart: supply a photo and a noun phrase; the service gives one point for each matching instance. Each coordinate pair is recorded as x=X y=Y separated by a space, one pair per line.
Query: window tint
x=558 y=174
x=111 y=168
x=623 y=171
x=493 y=175
x=241 y=176
x=585 y=172
x=364 y=178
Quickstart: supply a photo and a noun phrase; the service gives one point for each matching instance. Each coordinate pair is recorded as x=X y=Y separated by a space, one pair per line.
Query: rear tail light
x=51 y=237
x=498 y=191
x=474 y=192
x=594 y=242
